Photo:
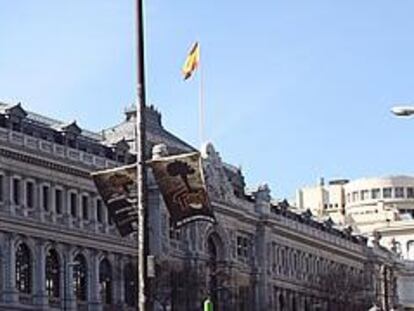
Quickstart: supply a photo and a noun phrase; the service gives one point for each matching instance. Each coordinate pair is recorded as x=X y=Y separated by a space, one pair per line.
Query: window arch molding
x=79 y=269
x=129 y=277
x=53 y=267
x=106 y=281
x=221 y=239
x=23 y=262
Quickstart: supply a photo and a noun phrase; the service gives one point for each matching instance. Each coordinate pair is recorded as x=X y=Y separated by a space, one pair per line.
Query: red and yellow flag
x=192 y=61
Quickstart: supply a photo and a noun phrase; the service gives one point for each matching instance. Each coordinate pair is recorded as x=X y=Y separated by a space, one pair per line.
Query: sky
x=294 y=90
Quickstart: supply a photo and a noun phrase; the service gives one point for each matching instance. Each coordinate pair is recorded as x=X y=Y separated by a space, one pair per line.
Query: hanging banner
x=181 y=182
x=118 y=189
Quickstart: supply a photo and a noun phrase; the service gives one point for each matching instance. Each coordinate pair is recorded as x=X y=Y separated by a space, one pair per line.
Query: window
x=410 y=250
x=72 y=143
x=85 y=207
x=375 y=193
x=46 y=197
x=281 y=302
x=79 y=278
x=99 y=210
x=23 y=271
x=58 y=201
x=130 y=285
x=355 y=196
x=1 y=188
x=16 y=126
x=348 y=197
x=52 y=274
x=73 y=204
x=58 y=138
x=2 y=121
x=397 y=248
x=243 y=247
x=387 y=193
x=364 y=194
x=29 y=194
x=410 y=192
x=16 y=191
x=399 y=192
x=105 y=281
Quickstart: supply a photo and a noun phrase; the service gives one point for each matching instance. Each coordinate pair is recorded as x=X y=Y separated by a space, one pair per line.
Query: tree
x=178 y=286
x=344 y=289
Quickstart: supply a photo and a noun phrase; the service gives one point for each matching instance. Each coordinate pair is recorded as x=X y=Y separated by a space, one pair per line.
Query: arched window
x=130 y=285
x=23 y=269
x=281 y=302
x=105 y=281
x=52 y=274
x=294 y=308
x=80 y=277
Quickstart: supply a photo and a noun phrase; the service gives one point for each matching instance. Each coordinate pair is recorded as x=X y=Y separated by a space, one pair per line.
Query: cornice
x=52 y=165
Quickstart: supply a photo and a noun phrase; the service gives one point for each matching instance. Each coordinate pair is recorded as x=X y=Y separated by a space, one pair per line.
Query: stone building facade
x=59 y=250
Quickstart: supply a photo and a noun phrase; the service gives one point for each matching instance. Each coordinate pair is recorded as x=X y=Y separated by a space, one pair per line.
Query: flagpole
x=201 y=98
x=140 y=150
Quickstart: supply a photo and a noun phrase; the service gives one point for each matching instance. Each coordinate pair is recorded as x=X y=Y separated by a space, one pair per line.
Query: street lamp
x=403 y=111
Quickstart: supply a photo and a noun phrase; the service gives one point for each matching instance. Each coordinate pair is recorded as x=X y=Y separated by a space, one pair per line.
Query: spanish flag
x=192 y=61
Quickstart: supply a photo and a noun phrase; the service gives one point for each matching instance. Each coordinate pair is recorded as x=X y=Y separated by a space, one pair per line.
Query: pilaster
x=39 y=273
x=10 y=294
x=69 y=299
x=93 y=281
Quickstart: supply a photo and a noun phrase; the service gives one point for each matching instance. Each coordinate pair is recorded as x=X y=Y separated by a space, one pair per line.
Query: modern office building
x=60 y=251
x=384 y=205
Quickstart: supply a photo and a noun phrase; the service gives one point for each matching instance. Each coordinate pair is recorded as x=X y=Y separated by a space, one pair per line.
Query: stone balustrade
x=34 y=144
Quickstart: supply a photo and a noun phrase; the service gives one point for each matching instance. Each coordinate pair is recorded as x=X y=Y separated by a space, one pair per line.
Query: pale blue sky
x=294 y=90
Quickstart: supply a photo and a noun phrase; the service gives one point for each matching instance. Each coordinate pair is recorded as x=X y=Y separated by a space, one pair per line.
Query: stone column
x=93 y=211
x=39 y=212
x=262 y=207
x=40 y=295
x=117 y=280
x=105 y=218
x=275 y=294
x=66 y=206
x=6 y=192
x=69 y=295
x=10 y=294
x=93 y=283
x=9 y=184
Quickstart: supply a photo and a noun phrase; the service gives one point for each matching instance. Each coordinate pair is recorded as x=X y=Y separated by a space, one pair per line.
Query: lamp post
x=403 y=111
x=66 y=280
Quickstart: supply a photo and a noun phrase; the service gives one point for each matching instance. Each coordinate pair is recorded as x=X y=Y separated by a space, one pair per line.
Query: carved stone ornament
x=217 y=183
x=263 y=193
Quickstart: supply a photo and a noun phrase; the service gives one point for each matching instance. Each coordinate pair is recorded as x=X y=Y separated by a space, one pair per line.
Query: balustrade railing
x=60 y=151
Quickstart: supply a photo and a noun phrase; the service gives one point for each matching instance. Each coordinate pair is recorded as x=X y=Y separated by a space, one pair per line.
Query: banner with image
x=181 y=182
x=118 y=189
